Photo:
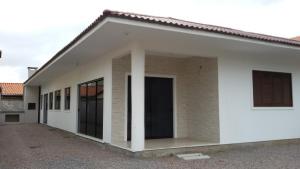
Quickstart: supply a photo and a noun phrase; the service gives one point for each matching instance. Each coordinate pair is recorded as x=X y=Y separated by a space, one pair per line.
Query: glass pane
x=57 y=99
x=67 y=98
x=91 y=109
x=51 y=100
x=82 y=109
x=100 y=90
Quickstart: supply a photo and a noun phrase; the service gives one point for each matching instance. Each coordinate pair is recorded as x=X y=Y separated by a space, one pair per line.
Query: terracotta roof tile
x=11 y=89
x=296 y=38
x=199 y=26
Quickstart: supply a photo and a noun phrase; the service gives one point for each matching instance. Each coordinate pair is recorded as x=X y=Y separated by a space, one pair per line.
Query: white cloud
x=32 y=31
x=11 y=73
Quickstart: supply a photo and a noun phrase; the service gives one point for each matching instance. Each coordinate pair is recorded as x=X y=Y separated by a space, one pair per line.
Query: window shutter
x=287 y=91
x=257 y=90
x=272 y=89
x=267 y=89
x=277 y=90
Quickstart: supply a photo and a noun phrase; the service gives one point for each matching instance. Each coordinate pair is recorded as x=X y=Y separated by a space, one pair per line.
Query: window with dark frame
x=90 y=106
x=272 y=89
x=57 y=97
x=31 y=106
x=51 y=100
x=67 y=98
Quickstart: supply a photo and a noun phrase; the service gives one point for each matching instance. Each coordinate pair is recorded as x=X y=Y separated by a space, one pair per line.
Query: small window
x=31 y=106
x=51 y=100
x=67 y=98
x=57 y=99
x=272 y=89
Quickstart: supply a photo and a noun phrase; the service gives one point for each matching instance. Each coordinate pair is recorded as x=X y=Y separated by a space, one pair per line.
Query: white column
x=107 y=114
x=137 y=98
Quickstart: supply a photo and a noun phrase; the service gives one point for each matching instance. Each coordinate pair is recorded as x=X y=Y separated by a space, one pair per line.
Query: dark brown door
x=158 y=108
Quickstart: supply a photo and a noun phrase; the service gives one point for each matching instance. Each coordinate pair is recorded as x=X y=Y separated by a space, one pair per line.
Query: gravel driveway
x=37 y=147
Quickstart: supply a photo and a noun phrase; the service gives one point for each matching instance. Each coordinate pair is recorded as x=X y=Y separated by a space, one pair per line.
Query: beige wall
x=196 y=94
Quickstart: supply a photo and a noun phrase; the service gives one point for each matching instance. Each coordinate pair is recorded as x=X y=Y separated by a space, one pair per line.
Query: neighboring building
x=13 y=108
x=142 y=82
x=11 y=102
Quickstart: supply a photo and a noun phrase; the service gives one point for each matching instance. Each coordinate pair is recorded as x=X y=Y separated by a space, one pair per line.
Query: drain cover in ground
x=193 y=156
x=34 y=147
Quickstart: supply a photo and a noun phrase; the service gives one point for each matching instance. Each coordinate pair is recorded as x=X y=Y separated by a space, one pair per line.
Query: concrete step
x=193 y=156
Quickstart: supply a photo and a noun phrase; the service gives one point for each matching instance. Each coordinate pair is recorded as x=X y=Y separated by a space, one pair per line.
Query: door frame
x=173 y=77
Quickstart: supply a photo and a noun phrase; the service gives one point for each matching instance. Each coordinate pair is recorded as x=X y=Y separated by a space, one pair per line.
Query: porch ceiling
x=113 y=34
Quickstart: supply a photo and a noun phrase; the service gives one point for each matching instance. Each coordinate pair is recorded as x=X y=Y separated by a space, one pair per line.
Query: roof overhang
x=110 y=33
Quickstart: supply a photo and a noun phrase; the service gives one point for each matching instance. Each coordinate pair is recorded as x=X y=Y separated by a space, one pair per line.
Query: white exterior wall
x=239 y=121
x=67 y=119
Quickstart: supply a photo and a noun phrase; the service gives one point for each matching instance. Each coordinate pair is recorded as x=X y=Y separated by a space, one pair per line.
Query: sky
x=32 y=31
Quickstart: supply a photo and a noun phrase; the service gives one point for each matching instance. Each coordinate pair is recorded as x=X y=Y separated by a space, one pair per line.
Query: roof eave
x=113 y=14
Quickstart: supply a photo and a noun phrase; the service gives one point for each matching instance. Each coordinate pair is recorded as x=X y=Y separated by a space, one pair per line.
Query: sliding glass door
x=90 y=114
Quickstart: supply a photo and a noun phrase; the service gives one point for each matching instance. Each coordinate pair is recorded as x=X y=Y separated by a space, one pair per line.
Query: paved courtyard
x=40 y=147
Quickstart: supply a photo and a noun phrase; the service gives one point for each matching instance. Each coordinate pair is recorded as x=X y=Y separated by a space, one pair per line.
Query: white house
x=143 y=82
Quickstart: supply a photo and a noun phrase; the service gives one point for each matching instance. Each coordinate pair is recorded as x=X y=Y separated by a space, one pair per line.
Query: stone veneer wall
x=196 y=94
x=202 y=94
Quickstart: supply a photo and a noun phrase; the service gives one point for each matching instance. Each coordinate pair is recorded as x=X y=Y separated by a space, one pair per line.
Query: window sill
x=273 y=108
